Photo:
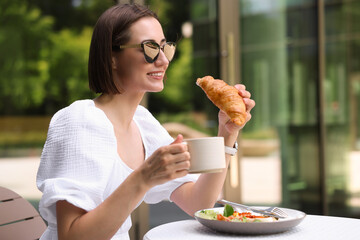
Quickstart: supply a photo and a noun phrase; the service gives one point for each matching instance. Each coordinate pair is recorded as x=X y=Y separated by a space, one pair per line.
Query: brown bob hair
x=111 y=29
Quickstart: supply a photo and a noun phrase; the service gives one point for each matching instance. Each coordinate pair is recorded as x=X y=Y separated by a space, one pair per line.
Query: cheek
x=125 y=67
x=123 y=71
x=130 y=71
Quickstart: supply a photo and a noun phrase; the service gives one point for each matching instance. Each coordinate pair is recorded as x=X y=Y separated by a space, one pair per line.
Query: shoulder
x=80 y=126
x=80 y=113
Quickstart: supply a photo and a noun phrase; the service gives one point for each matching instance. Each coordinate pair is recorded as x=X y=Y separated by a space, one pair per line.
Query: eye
x=151 y=49
x=152 y=45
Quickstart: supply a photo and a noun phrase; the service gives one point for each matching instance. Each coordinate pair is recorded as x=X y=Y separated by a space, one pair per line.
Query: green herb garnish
x=228 y=210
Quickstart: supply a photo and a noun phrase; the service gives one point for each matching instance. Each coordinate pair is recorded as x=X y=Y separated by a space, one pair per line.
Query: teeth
x=155 y=74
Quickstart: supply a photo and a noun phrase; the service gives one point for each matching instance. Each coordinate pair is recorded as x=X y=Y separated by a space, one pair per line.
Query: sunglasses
x=152 y=50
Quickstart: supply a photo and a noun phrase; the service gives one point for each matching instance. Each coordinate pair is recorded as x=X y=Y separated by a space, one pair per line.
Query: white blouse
x=80 y=163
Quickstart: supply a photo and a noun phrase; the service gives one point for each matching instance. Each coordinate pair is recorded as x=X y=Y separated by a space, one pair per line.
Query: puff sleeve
x=76 y=161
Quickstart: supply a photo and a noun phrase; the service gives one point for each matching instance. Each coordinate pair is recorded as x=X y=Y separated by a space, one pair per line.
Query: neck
x=119 y=108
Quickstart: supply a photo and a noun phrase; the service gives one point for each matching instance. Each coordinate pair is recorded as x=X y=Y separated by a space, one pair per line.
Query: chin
x=156 y=91
x=157 y=88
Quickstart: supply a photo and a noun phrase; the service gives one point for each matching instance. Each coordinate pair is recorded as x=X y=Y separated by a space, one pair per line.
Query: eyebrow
x=162 y=41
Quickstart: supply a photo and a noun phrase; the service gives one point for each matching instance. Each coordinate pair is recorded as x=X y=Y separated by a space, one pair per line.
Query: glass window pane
x=205 y=51
x=279 y=67
x=342 y=104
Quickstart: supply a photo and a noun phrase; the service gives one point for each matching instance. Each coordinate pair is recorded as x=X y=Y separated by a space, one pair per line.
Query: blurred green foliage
x=72 y=14
x=67 y=69
x=41 y=69
x=23 y=69
x=44 y=49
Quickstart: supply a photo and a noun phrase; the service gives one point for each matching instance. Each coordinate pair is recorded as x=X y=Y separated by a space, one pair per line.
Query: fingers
x=178 y=139
x=245 y=94
x=242 y=91
x=176 y=148
x=168 y=162
x=246 y=97
x=248 y=116
x=240 y=87
x=168 y=169
x=182 y=166
x=226 y=126
x=249 y=103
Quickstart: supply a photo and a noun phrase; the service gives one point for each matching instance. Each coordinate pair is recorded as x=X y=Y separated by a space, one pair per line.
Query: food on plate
x=229 y=215
x=225 y=97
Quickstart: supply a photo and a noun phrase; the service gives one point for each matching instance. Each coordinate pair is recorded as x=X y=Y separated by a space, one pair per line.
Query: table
x=312 y=227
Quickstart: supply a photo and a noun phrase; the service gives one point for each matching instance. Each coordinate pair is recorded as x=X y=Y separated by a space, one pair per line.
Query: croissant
x=225 y=97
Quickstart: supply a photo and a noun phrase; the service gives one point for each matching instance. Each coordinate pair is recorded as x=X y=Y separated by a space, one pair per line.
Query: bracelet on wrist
x=231 y=150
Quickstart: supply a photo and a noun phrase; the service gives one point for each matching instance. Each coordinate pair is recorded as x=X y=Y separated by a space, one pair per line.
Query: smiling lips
x=156 y=74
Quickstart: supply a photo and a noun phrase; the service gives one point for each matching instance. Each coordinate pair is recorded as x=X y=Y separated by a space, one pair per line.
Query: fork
x=277 y=211
x=271 y=211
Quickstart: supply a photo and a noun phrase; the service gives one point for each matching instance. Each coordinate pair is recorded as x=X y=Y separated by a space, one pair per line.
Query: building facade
x=301 y=62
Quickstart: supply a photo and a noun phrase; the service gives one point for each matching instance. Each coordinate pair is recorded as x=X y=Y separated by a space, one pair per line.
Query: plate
x=254 y=228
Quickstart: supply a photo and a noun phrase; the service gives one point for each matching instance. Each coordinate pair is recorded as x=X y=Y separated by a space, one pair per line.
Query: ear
x=113 y=61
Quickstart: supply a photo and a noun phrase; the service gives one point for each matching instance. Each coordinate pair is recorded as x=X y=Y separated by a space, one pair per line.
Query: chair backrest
x=18 y=218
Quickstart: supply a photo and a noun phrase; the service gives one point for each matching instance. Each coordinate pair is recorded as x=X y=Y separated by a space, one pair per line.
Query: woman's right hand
x=166 y=163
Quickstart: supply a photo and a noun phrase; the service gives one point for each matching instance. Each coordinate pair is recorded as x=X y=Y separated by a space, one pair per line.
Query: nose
x=161 y=60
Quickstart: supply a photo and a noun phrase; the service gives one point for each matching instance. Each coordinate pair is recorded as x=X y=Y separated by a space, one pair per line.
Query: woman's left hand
x=225 y=124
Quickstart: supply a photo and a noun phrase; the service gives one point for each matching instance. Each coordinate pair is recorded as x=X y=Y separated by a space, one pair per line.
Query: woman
x=103 y=157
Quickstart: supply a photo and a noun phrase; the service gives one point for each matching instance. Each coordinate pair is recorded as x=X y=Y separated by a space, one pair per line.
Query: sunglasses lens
x=151 y=51
x=169 y=50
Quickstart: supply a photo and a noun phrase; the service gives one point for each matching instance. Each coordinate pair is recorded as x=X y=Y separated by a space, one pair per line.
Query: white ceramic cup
x=207 y=155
